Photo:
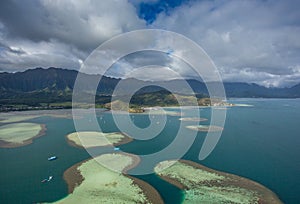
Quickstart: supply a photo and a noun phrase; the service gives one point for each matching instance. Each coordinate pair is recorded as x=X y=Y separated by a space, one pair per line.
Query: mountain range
x=56 y=85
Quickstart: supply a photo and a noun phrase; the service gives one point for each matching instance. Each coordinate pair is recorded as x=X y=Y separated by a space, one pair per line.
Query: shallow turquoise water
x=259 y=142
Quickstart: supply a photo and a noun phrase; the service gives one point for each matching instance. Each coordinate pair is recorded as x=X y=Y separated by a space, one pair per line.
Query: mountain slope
x=49 y=79
x=55 y=84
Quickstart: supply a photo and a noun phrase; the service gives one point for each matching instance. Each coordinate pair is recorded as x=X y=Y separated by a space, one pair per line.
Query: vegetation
x=52 y=88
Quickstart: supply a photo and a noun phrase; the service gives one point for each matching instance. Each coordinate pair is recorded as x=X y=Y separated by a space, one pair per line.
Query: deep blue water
x=259 y=142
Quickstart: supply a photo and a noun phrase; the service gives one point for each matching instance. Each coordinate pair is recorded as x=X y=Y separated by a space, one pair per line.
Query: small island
x=204 y=185
x=205 y=128
x=97 y=139
x=20 y=134
x=90 y=182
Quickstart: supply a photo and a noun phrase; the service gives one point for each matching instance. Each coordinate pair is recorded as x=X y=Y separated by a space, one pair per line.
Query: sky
x=253 y=41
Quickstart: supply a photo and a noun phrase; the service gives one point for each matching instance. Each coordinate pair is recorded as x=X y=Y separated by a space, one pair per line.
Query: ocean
x=260 y=142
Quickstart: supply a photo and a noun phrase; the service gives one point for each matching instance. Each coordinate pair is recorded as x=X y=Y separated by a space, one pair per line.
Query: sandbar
x=204 y=185
x=17 y=118
x=91 y=182
x=20 y=134
x=205 y=128
x=193 y=119
x=244 y=105
x=97 y=139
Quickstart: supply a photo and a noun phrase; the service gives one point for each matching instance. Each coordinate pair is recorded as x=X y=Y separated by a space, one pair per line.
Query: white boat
x=52 y=158
x=50 y=177
x=47 y=180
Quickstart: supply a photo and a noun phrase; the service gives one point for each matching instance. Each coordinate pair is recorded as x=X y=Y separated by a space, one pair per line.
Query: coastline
x=4 y=144
x=73 y=177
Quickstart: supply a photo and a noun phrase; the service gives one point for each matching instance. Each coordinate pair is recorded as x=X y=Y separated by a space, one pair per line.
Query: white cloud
x=27 y=54
x=87 y=24
x=262 y=36
x=251 y=41
x=151 y=65
x=261 y=77
x=60 y=33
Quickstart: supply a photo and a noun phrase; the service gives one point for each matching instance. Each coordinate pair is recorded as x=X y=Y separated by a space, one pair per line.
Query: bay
x=260 y=142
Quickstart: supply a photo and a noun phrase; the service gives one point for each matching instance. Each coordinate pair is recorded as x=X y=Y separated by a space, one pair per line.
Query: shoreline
x=265 y=194
x=72 y=176
x=150 y=192
x=145 y=108
x=5 y=144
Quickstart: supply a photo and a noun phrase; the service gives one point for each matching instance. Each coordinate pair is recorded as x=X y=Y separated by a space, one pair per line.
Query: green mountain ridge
x=35 y=86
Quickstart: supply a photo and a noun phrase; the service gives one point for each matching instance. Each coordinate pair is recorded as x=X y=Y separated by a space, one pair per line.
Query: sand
x=193 y=119
x=13 y=119
x=204 y=185
x=205 y=128
x=97 y=139
x=90 y=182
x=20 y=134
x=244 y=105
x=19 y=116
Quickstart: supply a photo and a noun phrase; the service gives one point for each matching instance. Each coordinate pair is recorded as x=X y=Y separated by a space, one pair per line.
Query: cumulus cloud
x=261 y=77
x=27 y=54
x=153 y=65
x=80 y=23
x=258 y=36
x=60 y=31
x=251 y=41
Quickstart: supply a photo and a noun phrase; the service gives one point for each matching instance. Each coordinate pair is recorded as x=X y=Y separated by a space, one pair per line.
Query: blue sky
x=253 y=41
x=149 y=10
